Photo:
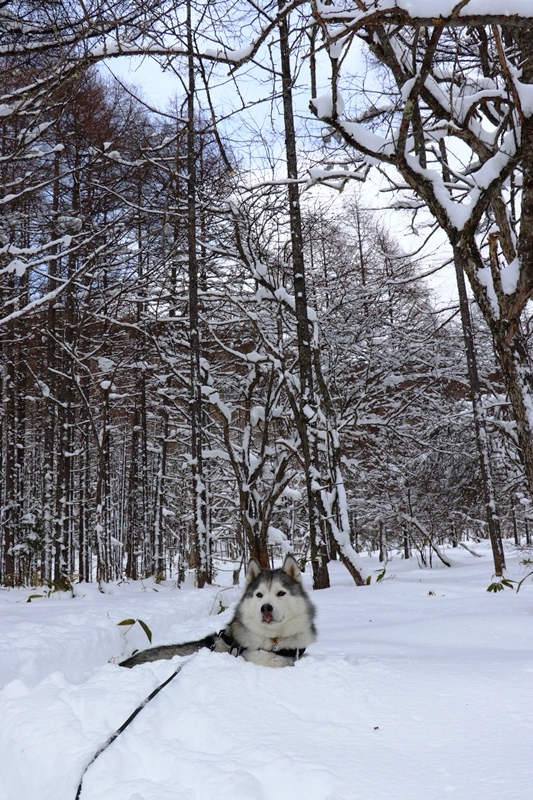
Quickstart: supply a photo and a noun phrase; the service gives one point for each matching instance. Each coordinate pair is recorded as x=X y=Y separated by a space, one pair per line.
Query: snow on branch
x=415 y=13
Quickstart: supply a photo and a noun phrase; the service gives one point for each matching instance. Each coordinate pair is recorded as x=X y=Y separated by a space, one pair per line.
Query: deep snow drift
x=419 y=688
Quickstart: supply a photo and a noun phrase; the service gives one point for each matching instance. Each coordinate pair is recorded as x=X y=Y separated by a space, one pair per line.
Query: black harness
x=237 y=649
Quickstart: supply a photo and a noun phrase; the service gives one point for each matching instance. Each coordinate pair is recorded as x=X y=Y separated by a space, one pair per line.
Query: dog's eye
x=259 y=594
x=281 y=594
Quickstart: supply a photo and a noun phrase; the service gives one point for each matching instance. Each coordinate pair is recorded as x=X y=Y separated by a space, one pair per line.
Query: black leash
x=235 y=649
x=125 y=724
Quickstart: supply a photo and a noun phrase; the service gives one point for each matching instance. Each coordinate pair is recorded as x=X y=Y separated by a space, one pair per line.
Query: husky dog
x=272 y=624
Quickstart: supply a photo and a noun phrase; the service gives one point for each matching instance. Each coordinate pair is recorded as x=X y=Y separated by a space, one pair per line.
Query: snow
x=105 y=364
x=525 y=93
x=421 y=682
x=484 y=276
x=369 y=142
x=460 y=213
x=444 y=8
x=276 y=536
x=227 y=54
x=509 y=276
x=324 y=105
x=17 y=266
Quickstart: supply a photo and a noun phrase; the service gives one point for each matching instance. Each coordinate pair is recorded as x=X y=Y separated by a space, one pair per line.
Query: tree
x=199 y=489
x=458 y=134
x=305 y=403
x=160 y=319
x=396 y=372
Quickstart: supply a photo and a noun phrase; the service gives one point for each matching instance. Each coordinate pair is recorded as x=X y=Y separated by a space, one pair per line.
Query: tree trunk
x=482 y=438
x=201 y=537
x=306 y=409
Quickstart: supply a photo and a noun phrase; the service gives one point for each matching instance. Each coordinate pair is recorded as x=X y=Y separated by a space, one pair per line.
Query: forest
x=214 y=343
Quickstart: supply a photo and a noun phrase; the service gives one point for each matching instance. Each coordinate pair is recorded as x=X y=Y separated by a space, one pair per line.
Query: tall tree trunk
x=9 y=511
x=160 y=498
x=201 y=535
x=482 y=438
x=136 y=516
x=84 y=483
x=51 y=422
x=307 y=407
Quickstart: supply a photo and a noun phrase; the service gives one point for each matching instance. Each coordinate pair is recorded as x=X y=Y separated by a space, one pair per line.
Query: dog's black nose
x=266 y=609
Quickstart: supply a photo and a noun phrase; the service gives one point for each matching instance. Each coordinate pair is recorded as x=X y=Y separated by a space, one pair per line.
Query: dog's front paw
x=266 y=658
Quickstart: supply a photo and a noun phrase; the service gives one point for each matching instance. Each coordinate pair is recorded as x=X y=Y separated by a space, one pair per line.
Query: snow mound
x=405 y=688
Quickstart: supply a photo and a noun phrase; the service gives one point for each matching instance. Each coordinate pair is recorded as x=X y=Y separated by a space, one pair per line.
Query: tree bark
x=482 y=437
x=307 y=407
x=201 y=537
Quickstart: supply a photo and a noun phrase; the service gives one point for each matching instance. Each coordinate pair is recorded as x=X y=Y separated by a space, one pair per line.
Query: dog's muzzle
x=267 y=613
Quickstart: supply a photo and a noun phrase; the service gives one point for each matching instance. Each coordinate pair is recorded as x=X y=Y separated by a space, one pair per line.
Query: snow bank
x=421 y=682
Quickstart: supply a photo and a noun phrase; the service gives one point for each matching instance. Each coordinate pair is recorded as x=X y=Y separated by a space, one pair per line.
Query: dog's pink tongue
x=267 y=616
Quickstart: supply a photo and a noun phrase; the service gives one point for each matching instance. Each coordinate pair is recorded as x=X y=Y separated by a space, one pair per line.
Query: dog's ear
x=254 y=569
x=290 y=566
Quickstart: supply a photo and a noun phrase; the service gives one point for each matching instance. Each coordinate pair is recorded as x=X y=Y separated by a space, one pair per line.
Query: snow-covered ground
x=420 y=687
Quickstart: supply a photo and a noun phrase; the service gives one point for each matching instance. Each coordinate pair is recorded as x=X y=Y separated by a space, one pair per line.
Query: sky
x=157 y=87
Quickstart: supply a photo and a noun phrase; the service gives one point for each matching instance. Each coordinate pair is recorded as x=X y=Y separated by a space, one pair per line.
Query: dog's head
x=275 y=598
